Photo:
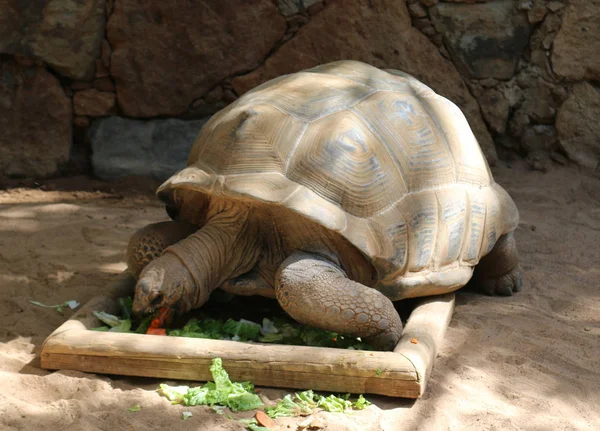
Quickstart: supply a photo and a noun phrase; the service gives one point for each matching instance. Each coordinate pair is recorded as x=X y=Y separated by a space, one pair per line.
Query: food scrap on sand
x=241 y=397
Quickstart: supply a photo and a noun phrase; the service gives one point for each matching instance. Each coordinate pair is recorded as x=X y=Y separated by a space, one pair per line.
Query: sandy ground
x=529 y=362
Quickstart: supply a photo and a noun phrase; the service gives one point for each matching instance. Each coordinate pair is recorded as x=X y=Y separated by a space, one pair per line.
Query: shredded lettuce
x=72 y=304
x=243 y=329
x=306 y=401
x=135 y=408
x=361 y=403
x=224 y=392
x=194 y=328
x=173 y=393
x=115 y=324
x=110 y=319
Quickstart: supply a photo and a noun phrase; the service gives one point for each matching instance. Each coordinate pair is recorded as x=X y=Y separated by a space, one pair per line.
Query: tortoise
x=336 y=190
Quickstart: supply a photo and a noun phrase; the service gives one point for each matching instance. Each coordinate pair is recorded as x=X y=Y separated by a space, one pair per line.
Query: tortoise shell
x=374 y=155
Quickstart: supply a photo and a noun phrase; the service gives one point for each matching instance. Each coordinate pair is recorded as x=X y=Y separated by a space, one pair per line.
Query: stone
x=429 y=2
x=124 y=147
x=81 y=122
x=539 y=102
x=495 y=109
x=296 y=21
x=551 y=24
x=539 y=139
x=485 y=40
x=316 y=8
x=512 y=93
x=35 y=122
x=537 y=14
x=105 y=54
x=363 y=34
x=578 y=126
x=104 y=84
x=577 y=44
x=488 y=82
x=101 y=70
x=555 y=6
x=538 y=142
x=518 y=123
x=65 y=34
x=94 y=103
x=547 y=41
x=417 y=10
x=212 y=102
x=80 y=85
x=524 y=4
x=292 y=7
x=174 y=52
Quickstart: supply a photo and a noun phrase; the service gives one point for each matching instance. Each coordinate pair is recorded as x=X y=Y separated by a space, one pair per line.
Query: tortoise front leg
x=499 y=272
x=316 y=292
x=149 y=242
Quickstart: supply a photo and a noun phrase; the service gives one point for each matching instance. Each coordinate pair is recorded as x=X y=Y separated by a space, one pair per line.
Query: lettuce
x=306 y=401
x=243 y=329
x=236 y=396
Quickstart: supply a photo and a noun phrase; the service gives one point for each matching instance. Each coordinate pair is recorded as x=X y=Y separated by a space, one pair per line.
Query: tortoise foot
x=505 y=285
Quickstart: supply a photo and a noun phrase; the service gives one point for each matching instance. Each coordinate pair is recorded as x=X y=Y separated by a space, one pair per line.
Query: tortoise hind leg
x=149 y=242
x=499 y=272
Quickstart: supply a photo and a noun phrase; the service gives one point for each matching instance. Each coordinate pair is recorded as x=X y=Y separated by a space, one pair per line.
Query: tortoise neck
x=228 y=245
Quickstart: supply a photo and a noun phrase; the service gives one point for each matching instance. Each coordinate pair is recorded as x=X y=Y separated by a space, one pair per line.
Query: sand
x=528 y=362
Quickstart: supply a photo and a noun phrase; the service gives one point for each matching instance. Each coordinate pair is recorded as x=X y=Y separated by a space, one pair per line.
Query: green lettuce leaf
x=110 y=319
x=236 y=396
x=243 y=329
x=361 y=403
x=124 y=326
x=174 y=394
x=306 y=401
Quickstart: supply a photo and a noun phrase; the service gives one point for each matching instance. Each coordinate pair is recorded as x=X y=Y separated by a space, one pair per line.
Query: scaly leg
x=316 y=292
x=499 y=272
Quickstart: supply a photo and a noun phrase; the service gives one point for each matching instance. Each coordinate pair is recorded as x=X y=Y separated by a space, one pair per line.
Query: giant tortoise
x=337 y=190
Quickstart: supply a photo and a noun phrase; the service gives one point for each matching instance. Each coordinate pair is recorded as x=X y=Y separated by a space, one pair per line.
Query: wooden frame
x=401 y=373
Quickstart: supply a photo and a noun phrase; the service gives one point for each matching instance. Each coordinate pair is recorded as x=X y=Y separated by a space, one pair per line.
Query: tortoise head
x=165 y=282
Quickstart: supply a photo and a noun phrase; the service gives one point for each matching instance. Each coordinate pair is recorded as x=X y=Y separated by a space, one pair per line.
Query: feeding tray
x=401 y=373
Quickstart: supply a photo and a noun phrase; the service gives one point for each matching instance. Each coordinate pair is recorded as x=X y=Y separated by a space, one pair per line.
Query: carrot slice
x=161 y=319
x=264 y=420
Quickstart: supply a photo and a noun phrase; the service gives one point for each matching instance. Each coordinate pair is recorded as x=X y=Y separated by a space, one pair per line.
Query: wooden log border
x=401 y=373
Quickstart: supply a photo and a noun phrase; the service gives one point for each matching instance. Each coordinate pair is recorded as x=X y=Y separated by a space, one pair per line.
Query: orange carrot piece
x=264 y=420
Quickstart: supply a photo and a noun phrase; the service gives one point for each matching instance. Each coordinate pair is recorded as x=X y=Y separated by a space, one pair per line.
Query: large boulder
x=576 y=48
x=578 y=125
x=66 y=34
x=35 y=122
x=378 y=32
x=154 y=148
x=485 y=40
x=168 y=54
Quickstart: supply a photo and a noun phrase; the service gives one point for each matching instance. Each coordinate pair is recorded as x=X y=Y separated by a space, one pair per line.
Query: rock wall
x=101 y=83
